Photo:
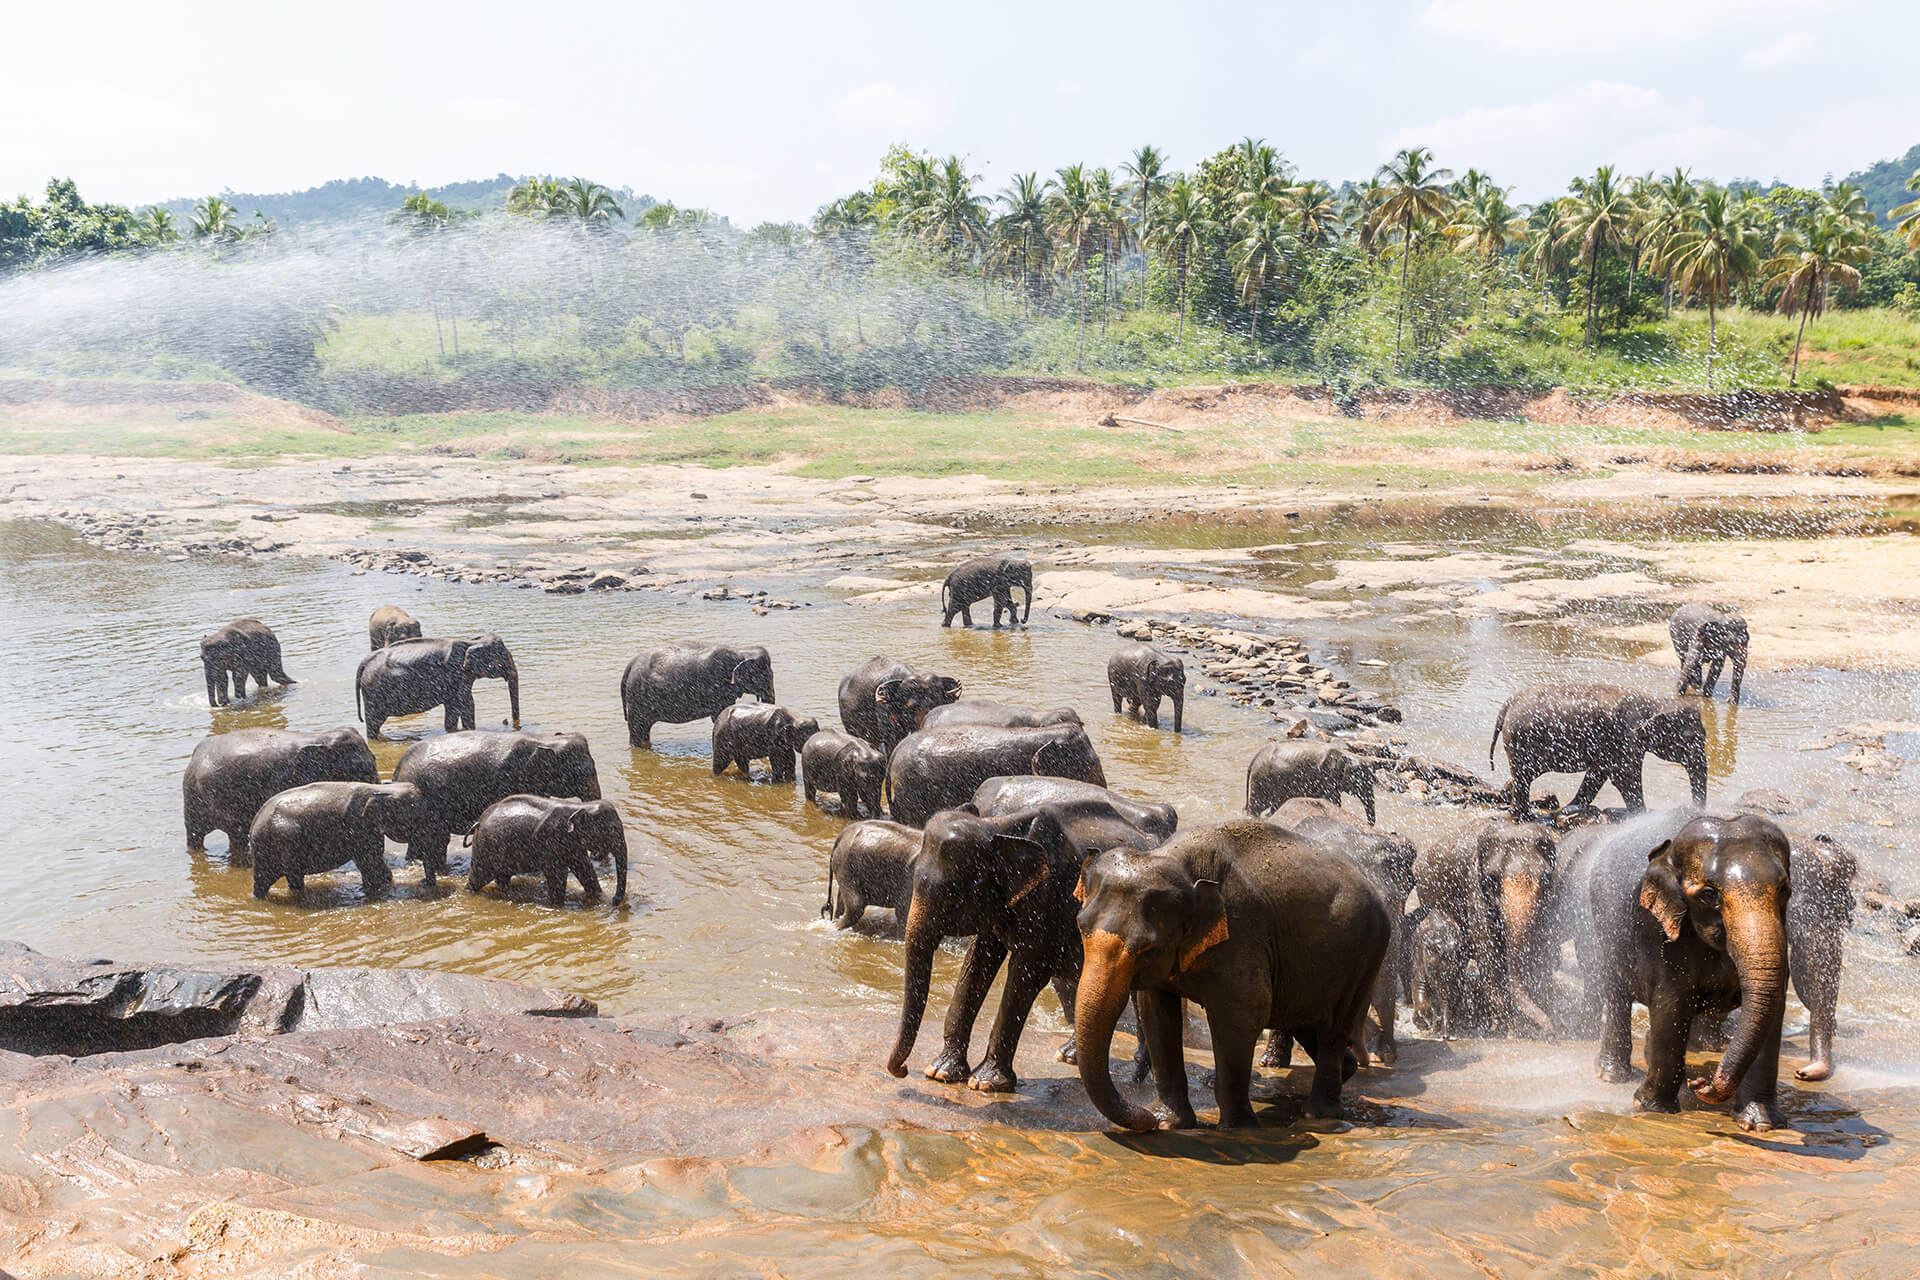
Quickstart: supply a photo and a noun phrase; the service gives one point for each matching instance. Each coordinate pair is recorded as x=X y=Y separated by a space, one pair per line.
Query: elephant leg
x=375 y=876
x=1236 y=1034
x=431 y=850
x=1669 y=1021
x=375 y=719
x=450 y=714
x=1615 y=1062
x=783 y=770
x=1026 y=976
x=1756 y=1099
x=1279 y=1054
x=1590 y=786
x=1712 y=677
x=852 y=906
x=639 y=731
x=297 y=883
x=263 y=877
x=556 y=874
x=1521 y=802
x=478 y=873
x=1066 y=989
x=1150 y=711
x=1118 y=698
x=582 y=868
x=977 y=973
x=1628 y=782
x=806 y=786
x=1384 y=1046
x=1813 y=958
x=1162 y=1027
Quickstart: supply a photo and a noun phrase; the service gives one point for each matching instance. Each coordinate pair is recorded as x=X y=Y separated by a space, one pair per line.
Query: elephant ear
x=1025 y=863
x=1209 y=926
x=557 y=821
x=1660 y=891
x=948 y=686
x=359 y=803
x=309 y=763
x=886 y=691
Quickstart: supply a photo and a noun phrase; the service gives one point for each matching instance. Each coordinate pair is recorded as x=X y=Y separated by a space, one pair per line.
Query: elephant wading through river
x=323 y=825
x=1497 y=882
x=941 y=768
x=389 y=625
x=1139 y=675
x=232 y=774
x=851 y=769
x=871 y=866
x=883 y=701
x=411 y=676
x=538 y=835
x=1282 y=771
x=242 y=650
x=749 y=731
x=975 y=580
x=689 y=680
x=460 y=774
x=1600 y=730
x=1707 y=638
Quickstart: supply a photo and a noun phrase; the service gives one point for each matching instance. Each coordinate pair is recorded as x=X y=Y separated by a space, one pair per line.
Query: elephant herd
x=1298 y=920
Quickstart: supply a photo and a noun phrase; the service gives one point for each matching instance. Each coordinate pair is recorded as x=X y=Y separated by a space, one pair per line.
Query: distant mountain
x=1885 y=184
x=352 y=199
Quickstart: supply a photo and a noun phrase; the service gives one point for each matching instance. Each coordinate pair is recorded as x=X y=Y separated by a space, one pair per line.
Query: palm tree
x=1710 y=253
x=1073 y=216
x=1181 y=233
x=1410 y=189
x=1258 y=256
x=1598 y=220
x=1849 y=202
x=155 y=228
x=1022 y=231
x=1667 y=204
x=1909 y=214
x=1808 y=261
x=1485 y=227
x=215 y=219
x=1361 y=201
x=534 y=197
x=1147 y=183
x=587 y=203
x=1543 y=256
x=1111 y=227
x=1316 y=212
x=947 y=213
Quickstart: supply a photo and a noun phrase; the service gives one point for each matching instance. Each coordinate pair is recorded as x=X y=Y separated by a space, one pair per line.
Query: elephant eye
x=1708 y=897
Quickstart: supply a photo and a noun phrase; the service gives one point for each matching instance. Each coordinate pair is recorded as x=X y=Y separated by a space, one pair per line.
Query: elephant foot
x=1068 y=1053
x=1279 y=1051
x=1319 y=1108
x=992 y=1079
x=1758 y=1116
x=1181 y=1119
x=1385 y=1052
x=950 y=1067
x=1613 y=1071
x=1645 y=1099
x=1818 y=1069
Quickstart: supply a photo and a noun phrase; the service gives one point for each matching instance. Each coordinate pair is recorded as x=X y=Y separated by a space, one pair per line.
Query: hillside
x=348 y=199
x=1885 y=183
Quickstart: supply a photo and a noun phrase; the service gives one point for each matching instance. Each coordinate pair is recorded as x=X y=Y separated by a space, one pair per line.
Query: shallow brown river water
x=1467 y=1156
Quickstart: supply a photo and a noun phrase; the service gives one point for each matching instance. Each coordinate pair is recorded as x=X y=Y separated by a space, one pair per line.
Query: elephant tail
x=828 y=908
x=946 y=585
x=358 y=709
x=1499 y=721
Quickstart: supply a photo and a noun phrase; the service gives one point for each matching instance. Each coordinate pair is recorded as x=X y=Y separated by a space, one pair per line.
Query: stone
x=1878 y=900
x=607 y=581
x=1910 y=941
x=1766 y=800
x=1332 y=721
x=1298 y=729
x=565 y=587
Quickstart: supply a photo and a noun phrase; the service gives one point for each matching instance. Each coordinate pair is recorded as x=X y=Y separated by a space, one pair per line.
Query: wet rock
x=1878 y=900
x=607 y=581
x=1331 y=721
x=1910 y=941
x=565 y=587
x=1766 y=800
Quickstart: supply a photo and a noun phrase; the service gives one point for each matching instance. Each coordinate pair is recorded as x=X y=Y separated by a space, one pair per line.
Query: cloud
x=1790 y=47
x=882 y=106
x=484 y=110
x=1543 y=26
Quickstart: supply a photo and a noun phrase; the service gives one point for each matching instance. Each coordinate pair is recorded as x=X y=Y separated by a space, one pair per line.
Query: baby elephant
x=1437 y=973
x=1140 y=675
x=872 y=865
x=391 y=623
x=537 y=835
x=1282 y=771
x=1704 y=639
x=839 y=762
x=323 y=825
x=748 y=731
x=241 y=650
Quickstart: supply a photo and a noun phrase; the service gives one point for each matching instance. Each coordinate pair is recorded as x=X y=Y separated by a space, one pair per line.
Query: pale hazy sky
x=768 y=110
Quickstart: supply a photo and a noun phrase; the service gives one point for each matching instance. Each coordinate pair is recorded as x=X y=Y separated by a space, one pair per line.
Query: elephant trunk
x=1106 y=982
x=1690 y=663
x=923 y=935
x=512 y=677
x=1739 y=672
x=1027 y=586
x=1179 y=706
x=1757 y=942
x=619 y=850
x=1696 y=763
x=1520 y=917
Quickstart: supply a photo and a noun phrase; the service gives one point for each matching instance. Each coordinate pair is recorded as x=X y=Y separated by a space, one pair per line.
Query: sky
x=766 y=111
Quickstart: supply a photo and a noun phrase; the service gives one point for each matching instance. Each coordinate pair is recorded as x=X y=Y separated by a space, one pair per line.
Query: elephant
x=938 y=769
x=689 y=680
x=871 y=865
x=322 y=825
x=241 y=650
x=1497 y=882
x=1437 y=973
x=410 y=676
x=1004 y=795
x=1600 y=730
x=883 y=701
x=1139 y=675
x=1004 y=714
x=748 y=731
x=1280 y=771
x=232 y=774
x=1387 y=859
x=391 y=623
x=460 y=774
x=540 y=835
x=1689 y=924
x=843 y=764
x=974 y=580
x=1258 y=926
x=1707 y=637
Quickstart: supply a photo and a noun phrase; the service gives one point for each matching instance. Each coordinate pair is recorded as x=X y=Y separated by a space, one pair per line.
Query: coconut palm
x=1809 y=261
x=1411 y=190
x=587 y=203
x=1849 y=203
x=534 y=197
x=1022 y=231
x=1542 y=256
x=1181 y=233
x=1259 y=256
x=1147 y=183
x=1110 y=226
x=1484 y=227
x=1316 y=212
x=1357 y=212
x=155 y=228
x=1073 y=217
x=215 y=219
x=1713 y=251
x=1909 y=214
x=1666 y=205
x=1597 y=221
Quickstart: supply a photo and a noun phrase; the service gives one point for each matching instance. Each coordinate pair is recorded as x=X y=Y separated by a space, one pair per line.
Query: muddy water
x=105 y=703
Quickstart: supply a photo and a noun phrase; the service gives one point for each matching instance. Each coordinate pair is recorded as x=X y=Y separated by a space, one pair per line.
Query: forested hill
x=347 y=199
x=1885 y=184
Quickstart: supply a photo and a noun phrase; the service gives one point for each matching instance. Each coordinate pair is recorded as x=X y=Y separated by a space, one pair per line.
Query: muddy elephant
x=543 y=836
x=748 y=731
x=853 y=770
x=240 y=651
x=871 y=866
x=1003 y=795
x=411 y=676
x=232 y=774
x=391 y=623
x=1692 y=926
x=938 y=769
x=690 y=680
x=1497 y=882
x=322 y=825
x=1600 y=730
x=460 y=774
x=1259 y=927
x=1281 y=771
x=883 y=701
x=1007 y=715
x=1387 y=860
x=1708 y=638
x=1139 y=675
x=975 y=580
x=1437 y=973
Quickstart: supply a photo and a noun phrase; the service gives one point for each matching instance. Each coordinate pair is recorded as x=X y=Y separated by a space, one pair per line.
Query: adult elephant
x=411 y=676
x=690 y=680
x=232 y=774
x=997 y=796
x=1260 y=927
x=314 y=828
x=981 y=577
x=539 y=835
x=749 y=731
x=1139 y=675
x=839 y=762
x=389 y=624
x=240 y=651
x=1691 y=926
x=941 y=768
x=882 y=701
x=1497 y=881
x=989 y=711
x=1708 y=638
x=1600 y=730
x=1282 y=771
x=460 y=774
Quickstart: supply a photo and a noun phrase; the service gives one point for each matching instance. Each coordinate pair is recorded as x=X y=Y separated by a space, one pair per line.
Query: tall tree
x=585 y=203
x=215 y=219
x=1259 y=256
x=947 y=214
x=1022 y=232
x=1074 y=216
x=1147 y=183
x=1666 y=206
x=1908 y=214
x=1712 y=252
x=1411 y=189
x=1484 y=227
x=1182 y=233
x=155 y=228
x=1825 y=251
x=1598 y=220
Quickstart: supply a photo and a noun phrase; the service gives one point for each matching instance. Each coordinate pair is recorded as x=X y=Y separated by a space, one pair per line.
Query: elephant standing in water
x=1437 y=973
x=1283 y=771
x=749 y=731
x=242 y=650
x=882 y=701
x=989 y=711
x=871 y=865
x=1600 y=730
x=1139 y=675
x=232 y=774
x=323 y=825
x=941 y=768
x=460 y=774
x=1705 y=637
x=411 y=676
x=1497 y=882
x=539 y=835
x=689 y=680
x=391 y=624
x=841 y=763
x=975 y=580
